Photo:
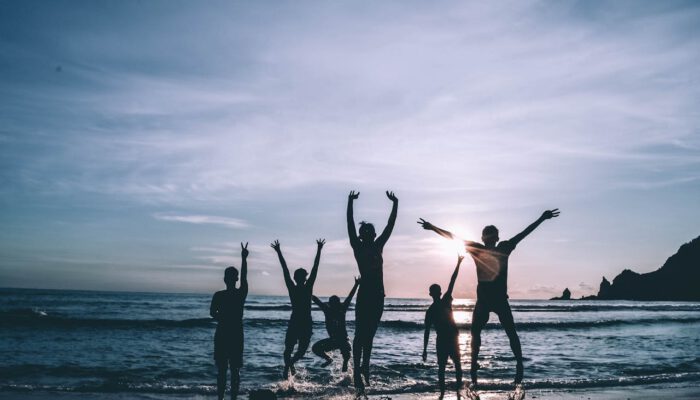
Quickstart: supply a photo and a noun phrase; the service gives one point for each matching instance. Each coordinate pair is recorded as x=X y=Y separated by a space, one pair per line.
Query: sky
x=141 y=142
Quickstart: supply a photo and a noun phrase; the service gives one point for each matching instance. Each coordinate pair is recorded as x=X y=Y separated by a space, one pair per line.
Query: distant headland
x=677 y=280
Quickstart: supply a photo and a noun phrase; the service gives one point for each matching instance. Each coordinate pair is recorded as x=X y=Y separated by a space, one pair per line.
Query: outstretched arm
x=348 y=299
x=319 y=302
x=384 y=237
x=454 y=277
x=314 y=271
x=285 y=271
x=428 y=226
x=352 y=233
x=244 y=269
x=426 y=335
x=545 y=216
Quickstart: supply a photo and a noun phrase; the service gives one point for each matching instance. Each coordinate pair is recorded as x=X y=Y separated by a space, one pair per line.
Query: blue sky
x=141 y=141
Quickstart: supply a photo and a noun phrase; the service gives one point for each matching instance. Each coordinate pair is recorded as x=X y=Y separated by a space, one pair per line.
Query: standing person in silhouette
x=227 y=310
x=370 y=297
x=334 y=311
x=491 y=259
x=300 y=325
x=440 y=316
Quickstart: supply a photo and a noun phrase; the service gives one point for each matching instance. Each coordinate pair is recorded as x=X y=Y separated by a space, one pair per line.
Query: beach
x=650 y=392
x=118 y=345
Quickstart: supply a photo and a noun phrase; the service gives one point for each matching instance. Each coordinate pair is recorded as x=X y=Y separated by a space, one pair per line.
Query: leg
x=505 y=315
x=377 y=311
x=457 y=360
x=301 y=348
x=235 y=380
x=479 y=319
x=358 y=341
x=289 y=342
x=441 y=376
x=319 y=348
x=345 y=351
x=221 y=366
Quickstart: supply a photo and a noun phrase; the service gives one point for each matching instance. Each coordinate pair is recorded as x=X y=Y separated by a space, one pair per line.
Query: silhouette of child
x=334 y=312
x=439 y=315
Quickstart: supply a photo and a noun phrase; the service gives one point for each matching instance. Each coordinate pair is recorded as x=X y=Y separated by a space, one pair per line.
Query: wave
x=39 y=318
x=534 y=326
x=120 y=386
x=555 y=307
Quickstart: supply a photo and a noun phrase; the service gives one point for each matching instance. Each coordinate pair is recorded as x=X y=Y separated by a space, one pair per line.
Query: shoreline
x=683 y=391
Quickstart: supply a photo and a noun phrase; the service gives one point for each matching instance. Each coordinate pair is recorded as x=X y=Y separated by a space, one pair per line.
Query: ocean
x=115 y=342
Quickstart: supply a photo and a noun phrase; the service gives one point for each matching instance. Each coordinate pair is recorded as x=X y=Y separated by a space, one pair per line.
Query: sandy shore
x=676 y=391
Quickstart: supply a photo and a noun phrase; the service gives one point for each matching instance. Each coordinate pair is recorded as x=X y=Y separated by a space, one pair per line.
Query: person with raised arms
x=491 y=259
x=368 y=248
x=300 y=327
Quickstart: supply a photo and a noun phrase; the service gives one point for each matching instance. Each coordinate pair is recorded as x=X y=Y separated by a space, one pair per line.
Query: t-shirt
x=491 y=268
x=335 y=322
x=229 y=307
x=300 y=296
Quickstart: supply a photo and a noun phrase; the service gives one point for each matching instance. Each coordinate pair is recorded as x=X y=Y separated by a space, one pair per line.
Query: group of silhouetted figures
x=490 y=258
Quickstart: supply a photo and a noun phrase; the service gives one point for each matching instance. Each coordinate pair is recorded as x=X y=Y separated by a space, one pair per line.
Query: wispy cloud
x=204 y=219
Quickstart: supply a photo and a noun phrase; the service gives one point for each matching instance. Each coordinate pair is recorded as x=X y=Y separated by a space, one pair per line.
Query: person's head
x=435 y=291
x=230 y=276
x=367 y=233
x=300 y=276
x=489 y=236
x=334 y=301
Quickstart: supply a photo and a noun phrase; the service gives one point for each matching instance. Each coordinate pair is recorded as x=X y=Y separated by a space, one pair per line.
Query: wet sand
x=675 y=391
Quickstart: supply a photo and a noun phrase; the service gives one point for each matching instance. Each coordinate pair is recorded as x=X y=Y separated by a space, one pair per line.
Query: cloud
x=204 y=219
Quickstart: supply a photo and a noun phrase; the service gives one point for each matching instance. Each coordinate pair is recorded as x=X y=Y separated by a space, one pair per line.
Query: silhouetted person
x=491 y=259
x=370 y=297
x=440 y=316
x=227 y=309
x=334 y=312
x=300 y=325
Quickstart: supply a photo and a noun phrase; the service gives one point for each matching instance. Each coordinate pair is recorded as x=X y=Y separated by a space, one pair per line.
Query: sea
x=117 y=342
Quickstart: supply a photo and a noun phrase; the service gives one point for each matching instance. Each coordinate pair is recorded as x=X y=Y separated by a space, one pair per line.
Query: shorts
x=228 y=345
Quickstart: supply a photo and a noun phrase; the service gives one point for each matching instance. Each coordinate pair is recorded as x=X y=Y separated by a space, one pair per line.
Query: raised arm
x=244 y=269
x=319 y=303
x=430 y=227
x=454 y=277
x=348 y=299
x=352 y=233
x=314 y=270
x=426 y=335
x=285 y=271
x=384 y=237
x=545 y=216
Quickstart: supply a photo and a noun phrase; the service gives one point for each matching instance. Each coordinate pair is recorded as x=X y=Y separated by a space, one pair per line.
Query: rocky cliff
x=677 y=279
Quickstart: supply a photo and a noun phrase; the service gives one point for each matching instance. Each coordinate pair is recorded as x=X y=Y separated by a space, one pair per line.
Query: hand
x=425 y=224
x=244 y=250
x=550 y=214
x=459 y=258
x=320 y=243
x=391 y=196
x=353 y=195
x=425 y=355
x=276 y=245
